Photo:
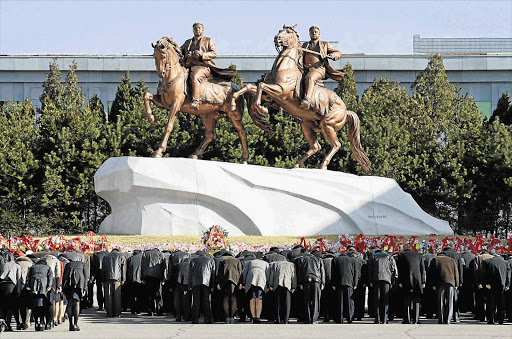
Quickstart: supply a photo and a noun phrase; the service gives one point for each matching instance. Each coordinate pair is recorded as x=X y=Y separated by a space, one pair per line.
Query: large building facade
x=483 y=76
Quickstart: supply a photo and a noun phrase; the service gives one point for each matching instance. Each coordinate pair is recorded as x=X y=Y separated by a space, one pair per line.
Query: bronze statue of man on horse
x=212 y=97
x=325 y=112
x=320 y=109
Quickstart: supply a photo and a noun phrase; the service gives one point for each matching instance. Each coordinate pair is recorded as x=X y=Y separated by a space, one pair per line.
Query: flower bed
x=216 y=238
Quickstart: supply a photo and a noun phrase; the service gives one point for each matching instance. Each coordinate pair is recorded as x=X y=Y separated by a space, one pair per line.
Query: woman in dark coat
x=74 y=284
x=39 y=283
x=230 y=270
x=10 y=283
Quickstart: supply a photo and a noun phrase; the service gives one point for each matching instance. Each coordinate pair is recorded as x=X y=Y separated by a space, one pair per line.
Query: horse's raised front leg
x=209 y=122
x=173 y=113
x=237 y=94
x=272 y=90
x=310 y=136
x=149 y=113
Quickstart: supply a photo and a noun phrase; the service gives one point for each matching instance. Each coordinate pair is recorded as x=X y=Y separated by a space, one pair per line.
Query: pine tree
x=18 y=165
x=503 y=110
x=385 y=106
x=237 y=78
x=52 y=89
x=123 y=101
x=72 y=149
x=347 y=89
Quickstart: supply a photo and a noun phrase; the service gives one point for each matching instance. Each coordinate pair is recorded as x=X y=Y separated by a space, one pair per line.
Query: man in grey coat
x=283 y=281
x=201 y=279
x=382 y=273
x=114 y=275
x=345 y=277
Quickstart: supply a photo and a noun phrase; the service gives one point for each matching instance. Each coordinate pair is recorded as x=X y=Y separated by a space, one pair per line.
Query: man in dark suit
x=497 y=281
x=360 y=292
x=445 y=279
x=476 y=268
x=382 y=274
x=344 y=278
x=411 y=280
x=467 y=293
x=311 y=279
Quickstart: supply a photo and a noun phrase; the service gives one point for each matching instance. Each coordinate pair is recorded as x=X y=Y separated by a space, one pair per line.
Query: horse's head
x=287 y=37
x=166 y=52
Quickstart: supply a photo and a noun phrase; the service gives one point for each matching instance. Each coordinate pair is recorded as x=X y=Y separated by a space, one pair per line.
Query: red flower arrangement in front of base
x=215 y=238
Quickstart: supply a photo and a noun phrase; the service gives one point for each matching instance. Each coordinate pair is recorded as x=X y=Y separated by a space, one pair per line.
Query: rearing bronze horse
x=282 y=85
x=172 y=96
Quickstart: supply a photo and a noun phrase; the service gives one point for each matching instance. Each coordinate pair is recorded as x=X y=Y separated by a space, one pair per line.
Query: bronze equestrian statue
x=216 y=95
x=326 y=113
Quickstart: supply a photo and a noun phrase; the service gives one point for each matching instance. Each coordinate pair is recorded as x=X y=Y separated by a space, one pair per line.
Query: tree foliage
x=434 y=142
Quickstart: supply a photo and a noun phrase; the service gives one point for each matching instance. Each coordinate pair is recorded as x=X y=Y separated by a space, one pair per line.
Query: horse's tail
x=256 y=114
x=354 y=126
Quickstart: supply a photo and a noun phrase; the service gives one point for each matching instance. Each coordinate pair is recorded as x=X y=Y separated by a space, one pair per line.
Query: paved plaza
x=94 y=324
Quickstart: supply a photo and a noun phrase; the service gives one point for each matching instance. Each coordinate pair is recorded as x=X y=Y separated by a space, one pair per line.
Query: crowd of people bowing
x=45 y=288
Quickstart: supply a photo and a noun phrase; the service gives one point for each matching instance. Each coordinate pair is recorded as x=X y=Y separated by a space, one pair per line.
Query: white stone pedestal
x=176 y=196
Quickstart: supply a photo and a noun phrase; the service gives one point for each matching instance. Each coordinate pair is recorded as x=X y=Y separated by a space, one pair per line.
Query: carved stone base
x=176 y=196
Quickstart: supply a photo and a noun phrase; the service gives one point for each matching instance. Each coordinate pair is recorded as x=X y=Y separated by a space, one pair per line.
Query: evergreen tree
x=18 y=165
x=347 y=89
x=237 y=78
x=386 y=106
x=503 y=110
x=123 y=101
x=52 y=89
x=72 y=151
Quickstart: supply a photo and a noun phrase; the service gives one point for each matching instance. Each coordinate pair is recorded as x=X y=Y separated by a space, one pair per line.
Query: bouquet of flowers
x=214 y=238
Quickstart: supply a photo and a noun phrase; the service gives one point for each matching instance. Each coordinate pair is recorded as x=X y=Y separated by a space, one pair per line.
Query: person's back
x=382 y=267
x=201 y=271
x=114 y=267
x=344 y=271
x=411 y=268
x=151 y=264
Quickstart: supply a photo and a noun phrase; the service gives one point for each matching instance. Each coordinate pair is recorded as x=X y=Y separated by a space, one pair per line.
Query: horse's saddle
x=322 y=100
x=214 y=91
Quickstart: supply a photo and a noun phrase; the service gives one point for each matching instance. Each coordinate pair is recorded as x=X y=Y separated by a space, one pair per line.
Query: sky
x=241 y=27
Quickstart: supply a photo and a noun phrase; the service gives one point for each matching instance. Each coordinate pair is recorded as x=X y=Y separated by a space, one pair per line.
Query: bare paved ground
x=94 y=324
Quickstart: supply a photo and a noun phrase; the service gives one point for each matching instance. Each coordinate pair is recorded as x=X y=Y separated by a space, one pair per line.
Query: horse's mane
x=300 y=52
x=166 y=43
x=290 y=28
